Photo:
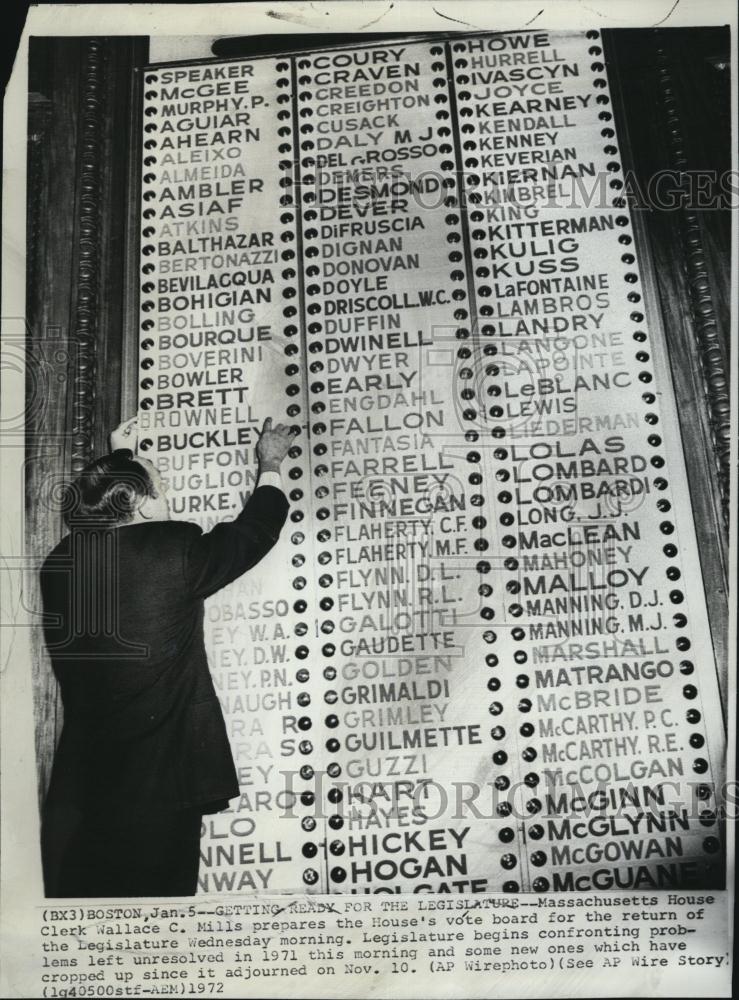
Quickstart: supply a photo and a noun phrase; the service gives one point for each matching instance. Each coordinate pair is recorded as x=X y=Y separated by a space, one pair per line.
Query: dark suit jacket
x=143 y=728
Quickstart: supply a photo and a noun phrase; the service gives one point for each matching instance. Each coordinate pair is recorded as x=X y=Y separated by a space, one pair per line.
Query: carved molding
x=715 y=376
x=39 y=119
x=84 y=326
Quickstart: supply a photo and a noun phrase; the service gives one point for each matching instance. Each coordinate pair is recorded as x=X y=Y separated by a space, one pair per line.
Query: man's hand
x=126 y=435
x=273 y=445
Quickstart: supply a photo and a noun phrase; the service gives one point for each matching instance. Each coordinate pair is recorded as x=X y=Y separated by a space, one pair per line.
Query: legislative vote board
x=478 y=658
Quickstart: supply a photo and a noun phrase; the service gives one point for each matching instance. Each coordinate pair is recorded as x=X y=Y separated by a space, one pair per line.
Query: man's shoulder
x=183 y=528
x=134 y=535
x=161 y=533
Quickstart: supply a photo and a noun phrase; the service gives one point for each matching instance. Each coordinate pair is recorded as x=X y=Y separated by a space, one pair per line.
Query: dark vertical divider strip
x=461 y=194
x=84 y=320
x=681 y=250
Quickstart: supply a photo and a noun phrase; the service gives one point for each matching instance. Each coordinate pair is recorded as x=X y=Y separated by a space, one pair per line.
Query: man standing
x=144 y=752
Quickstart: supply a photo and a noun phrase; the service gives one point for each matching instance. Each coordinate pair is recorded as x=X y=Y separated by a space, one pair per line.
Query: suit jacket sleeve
x=216 y=558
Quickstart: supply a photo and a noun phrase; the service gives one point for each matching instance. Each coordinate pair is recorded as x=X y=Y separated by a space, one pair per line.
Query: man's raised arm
x=216 y=558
